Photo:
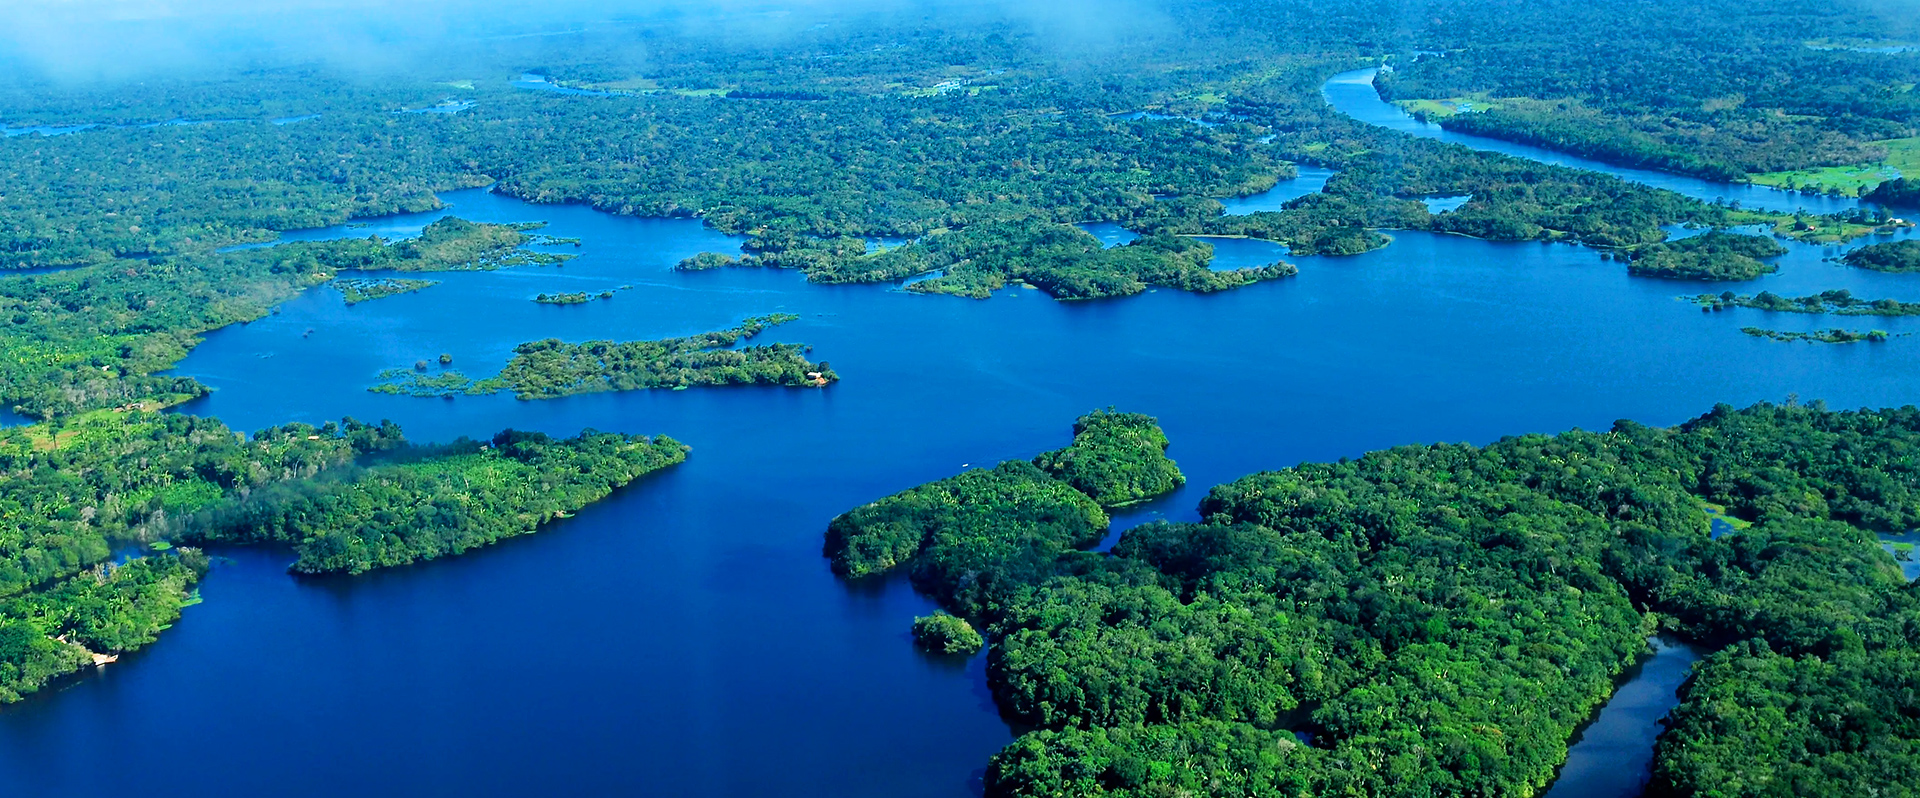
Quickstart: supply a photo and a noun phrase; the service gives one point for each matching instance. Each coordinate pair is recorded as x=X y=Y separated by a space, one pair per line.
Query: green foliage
x=1889 y=256
x=1839 y=302
x=1713 y=255
x=706 y=260
x=74 y=488
x=1833 y=336
x=552 y=368
x=970 y=536
x=1119 y=459
x=945 y=634
x=1439 y=618
x=1901 y=192
x=111 y=609
x=1753 y=722
x=421 y=503
x=361 y=289
x=92 y=337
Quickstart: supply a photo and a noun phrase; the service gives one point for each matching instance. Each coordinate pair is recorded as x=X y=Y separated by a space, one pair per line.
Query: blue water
x=1444 y=204
x=1308 y=180
x=540 y=83
x=1613 y=756
x=1352 y=93
x=685 y=636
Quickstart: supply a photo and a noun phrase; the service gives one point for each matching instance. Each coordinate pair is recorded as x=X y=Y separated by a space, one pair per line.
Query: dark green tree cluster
x=941 y=633
x=1441 y=618
x=1839 y=301
x=1888 y=256
x=1060 y=259
x=426 y=502
x=1829 y=336
x=361 y=289
x=1119 y=459
x=92 y=617
x=1899 y=192
x=552 y=368
x=1713 y=255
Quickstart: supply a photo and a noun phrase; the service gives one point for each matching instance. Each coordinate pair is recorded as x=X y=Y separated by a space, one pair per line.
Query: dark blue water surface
x=1613 y=756
x=1352 y=93
x=686 y=637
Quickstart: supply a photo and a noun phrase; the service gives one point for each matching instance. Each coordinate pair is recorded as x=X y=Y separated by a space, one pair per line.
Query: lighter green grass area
x=1903 y=158
x=458 y=84
x=1719 y=511
x=1448 y=106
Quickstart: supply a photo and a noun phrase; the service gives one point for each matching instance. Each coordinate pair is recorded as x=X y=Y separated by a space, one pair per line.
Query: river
x=1352 y=93
x=686 y=637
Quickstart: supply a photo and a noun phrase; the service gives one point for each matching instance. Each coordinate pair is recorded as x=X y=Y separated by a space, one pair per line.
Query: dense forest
x=1713 y=255
x=1722 y=89
x=1887 y=256
x=1442 y=618
x=350 y=496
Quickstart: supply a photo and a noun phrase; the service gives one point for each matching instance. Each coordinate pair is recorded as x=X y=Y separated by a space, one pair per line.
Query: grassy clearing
x=1903 y=158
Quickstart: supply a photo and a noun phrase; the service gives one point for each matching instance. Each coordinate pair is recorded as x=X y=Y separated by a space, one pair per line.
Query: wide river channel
x=685 y=637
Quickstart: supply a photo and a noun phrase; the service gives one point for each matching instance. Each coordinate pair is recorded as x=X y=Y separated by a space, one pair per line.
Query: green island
x=1839 y=302
x=1713 y=255
x=80 y=486
x=1833 y=336
x=571 y=298
x=551 y=369
x=360 y=289
x=941 y=633
x=1442 y=618
x=1887 y=256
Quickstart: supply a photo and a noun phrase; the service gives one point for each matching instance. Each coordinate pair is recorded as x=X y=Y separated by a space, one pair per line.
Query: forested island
x=361 y=289
x=551 y=369
x=1887 y=256
x=1840 y=302
x=1833 y=336
x=1441 y=618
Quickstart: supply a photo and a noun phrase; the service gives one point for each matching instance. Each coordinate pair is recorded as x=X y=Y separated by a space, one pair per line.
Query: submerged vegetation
x=1833 y=336
x=362 y=289
x=1376 y=603
x=551 y=369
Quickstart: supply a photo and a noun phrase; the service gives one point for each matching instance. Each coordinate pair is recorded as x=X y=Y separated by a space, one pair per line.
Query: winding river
x=1352 y=93
x=686 y=637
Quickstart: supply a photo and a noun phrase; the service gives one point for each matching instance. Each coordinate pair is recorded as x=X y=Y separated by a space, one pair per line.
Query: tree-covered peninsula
x=1442 y=618
x=348 y=496
x=419 y=503
x=552 y=368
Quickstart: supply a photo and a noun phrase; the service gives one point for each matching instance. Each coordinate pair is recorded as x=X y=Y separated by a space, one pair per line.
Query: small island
x=552 y=368
x=941 y=633
x=1839 y=302
x=361 y=289
x=1833 y=336
x=1715 y=255
x=574 y=298
x=450 y=244
x=1890 y=256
